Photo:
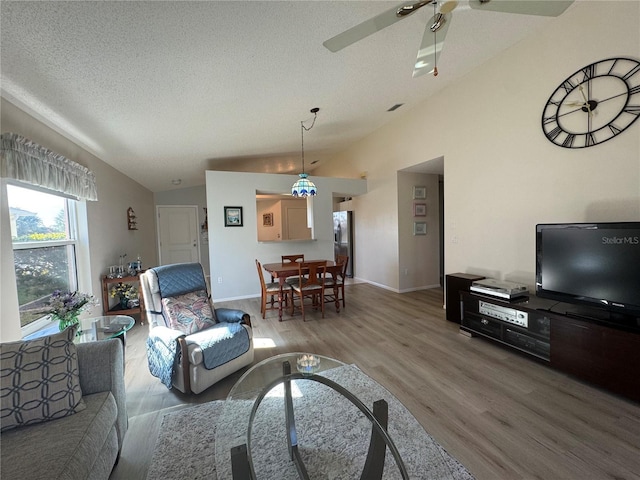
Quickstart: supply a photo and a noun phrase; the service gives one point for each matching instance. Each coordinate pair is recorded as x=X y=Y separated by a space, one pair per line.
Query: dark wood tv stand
x=606 y=355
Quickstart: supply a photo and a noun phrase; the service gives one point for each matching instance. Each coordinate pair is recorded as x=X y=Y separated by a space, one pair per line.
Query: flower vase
x=67 y=321
x=124 y=301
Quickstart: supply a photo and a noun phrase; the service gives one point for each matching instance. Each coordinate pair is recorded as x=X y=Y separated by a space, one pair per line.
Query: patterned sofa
x=76 y=430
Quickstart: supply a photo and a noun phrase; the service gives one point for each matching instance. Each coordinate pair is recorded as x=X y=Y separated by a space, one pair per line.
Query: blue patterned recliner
x=191 y=345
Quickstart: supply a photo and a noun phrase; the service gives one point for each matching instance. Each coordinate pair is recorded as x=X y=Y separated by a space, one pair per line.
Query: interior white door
x=178 y=234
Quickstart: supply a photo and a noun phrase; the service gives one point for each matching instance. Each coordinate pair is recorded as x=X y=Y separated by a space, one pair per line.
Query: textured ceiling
x=167 y=90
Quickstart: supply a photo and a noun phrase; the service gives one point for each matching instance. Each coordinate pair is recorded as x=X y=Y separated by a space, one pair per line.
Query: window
x=44 y=232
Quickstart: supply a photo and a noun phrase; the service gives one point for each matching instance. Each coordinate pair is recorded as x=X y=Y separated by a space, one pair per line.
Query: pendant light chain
x=302 y=130
x=302 y=133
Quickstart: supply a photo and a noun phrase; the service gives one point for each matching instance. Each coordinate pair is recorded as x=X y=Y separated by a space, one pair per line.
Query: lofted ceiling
x=166 y=90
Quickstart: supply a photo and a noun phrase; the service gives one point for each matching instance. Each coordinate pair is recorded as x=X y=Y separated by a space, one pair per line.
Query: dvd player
x=510 y=315
x=499 y=288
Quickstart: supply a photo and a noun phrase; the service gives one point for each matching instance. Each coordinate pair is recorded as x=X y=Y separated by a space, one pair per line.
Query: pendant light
x=305 y=187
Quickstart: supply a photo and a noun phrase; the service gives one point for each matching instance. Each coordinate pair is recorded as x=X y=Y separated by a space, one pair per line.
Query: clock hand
x=586 y=101
x=588 y=105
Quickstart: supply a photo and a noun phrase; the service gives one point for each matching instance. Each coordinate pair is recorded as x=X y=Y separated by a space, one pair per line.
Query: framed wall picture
x=267 y=219
x=232 y=216
x=419 y=209
x=419 y=228
x=419 y=192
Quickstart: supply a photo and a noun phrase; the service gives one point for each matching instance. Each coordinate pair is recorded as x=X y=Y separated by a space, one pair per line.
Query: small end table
x=105 y=327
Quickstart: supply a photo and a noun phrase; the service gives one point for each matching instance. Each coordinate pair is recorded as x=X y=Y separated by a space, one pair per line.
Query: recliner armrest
x=165 y=334
x=230 y=315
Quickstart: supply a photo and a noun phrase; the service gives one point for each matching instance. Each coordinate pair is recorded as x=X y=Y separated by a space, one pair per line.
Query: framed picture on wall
x=419 y=192
x=419 y=228
x=419 y=209
x=232 y=216
x=267 y=219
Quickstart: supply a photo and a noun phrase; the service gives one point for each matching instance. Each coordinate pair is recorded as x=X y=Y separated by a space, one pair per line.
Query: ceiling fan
x=437 y=27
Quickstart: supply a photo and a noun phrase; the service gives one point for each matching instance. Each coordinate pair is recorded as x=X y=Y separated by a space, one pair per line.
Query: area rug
x=333 y=436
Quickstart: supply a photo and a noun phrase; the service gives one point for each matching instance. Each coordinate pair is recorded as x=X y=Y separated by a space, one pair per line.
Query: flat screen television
x=595 y=264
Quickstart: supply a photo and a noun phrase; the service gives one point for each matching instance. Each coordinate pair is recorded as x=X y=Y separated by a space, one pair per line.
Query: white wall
x=233 y=250
x=107 y=217
x=419 y=255
x=501 y=174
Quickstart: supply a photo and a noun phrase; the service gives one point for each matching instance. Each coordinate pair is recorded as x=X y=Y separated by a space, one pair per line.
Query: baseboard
x=231 y=299
x=416 y=289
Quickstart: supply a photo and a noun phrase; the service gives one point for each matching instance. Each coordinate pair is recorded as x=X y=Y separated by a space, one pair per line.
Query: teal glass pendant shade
x=303 y=187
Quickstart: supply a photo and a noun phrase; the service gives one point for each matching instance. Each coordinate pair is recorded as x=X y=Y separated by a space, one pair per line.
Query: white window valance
x=29 y=162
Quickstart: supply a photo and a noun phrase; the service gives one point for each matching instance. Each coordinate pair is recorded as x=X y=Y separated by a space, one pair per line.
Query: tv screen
x=590 y=263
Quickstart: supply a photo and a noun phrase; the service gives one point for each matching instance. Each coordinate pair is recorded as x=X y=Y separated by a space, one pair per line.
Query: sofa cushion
x=40 y=380
x=190 y=312
x=70 y=447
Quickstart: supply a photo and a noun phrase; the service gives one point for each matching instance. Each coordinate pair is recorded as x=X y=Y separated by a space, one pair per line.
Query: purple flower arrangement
x=66 y=306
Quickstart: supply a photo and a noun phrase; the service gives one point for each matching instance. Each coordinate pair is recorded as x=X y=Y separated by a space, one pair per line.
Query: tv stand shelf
x=606 y=355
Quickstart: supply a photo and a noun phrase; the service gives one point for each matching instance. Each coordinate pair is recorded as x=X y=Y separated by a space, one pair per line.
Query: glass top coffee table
x=333 y=423
x=102 y=328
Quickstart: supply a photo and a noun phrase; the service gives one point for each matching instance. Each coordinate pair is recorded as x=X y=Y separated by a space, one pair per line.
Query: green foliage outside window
x=39 y=271
x=44 y=251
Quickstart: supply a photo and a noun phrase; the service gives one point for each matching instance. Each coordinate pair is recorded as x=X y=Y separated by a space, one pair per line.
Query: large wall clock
x=595 y=104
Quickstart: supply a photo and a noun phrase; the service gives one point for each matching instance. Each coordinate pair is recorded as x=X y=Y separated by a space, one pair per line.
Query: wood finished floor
x=501 y=414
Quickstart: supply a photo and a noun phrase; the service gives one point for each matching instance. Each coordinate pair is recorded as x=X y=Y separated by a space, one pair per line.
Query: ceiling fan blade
x=546 y=8
x=364 y=29
x=431 y=46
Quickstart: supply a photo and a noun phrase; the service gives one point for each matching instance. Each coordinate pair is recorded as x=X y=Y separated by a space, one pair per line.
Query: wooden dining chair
x=311 y=277
x=298 y=257
x=271 y=289
x=332 y=282
x=343 y=261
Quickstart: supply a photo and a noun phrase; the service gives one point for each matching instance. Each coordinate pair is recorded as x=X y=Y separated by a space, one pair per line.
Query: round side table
x=102 y=328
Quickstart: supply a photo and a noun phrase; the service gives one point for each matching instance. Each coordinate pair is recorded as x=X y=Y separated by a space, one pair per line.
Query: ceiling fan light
x=449 y=6
x=303 y=187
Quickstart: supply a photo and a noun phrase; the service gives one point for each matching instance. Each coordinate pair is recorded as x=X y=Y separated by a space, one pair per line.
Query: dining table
x=281 y=271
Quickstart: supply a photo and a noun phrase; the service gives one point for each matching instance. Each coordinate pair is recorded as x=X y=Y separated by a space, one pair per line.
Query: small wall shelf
x=131 y=219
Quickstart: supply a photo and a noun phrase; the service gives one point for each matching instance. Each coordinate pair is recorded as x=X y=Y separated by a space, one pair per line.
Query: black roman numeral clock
x=595 y=104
